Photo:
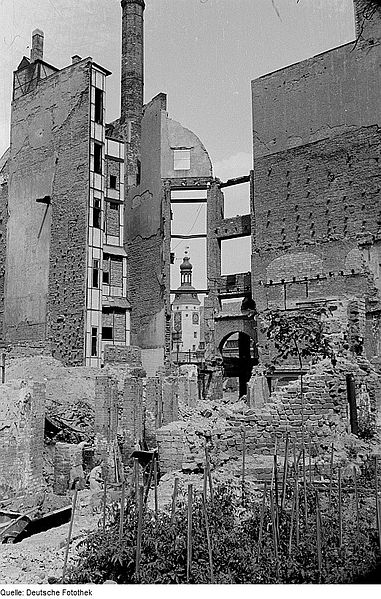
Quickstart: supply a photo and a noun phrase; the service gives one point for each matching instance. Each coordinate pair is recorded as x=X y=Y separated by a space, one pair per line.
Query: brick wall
x=181 y=444
x=106 y=419
x=21 y=437
x=68 y=467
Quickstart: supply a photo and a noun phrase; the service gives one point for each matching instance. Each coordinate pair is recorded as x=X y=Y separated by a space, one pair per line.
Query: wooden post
x=136 y=479
x=305 y=485
x=149 y=480
x=310 y=458
x=262 y=519
x=318 y=537
x=356 y=501
x=209 y=540
x=69 y=533
x=209 y=474
x=104 y=497
x=189 y=532
x=174 y=497
x=155 y=486
x=378 y=514
x=297 y=512
x=243 y=462
x=121 y=514
x=285 y=473
x=330 y=479
x=139 y=533
x=293 y=509
x=275 y=533
x=340 y=511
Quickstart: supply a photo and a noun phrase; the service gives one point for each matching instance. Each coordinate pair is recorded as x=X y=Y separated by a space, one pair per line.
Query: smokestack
x=37 y=51
x=132 y=83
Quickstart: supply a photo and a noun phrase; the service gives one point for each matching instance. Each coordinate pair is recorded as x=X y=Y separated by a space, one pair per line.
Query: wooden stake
x=155 y=486
x=356 y=501
x=330 y=479
x=305 y=485
x=285 y=473
x=262 y=519
x=121 y=514
x=189 y=532
x=209 y=474
x=243 y=462
x=318 y=537
x=276 y=476
x=69 y=534
x=174 y=497
x=104 y=499
x=297 y=511
x=209 y=541
x=378 y=514
x=136 y=479
x=275 y=533
x=340 y=511
x=3 y=368
x=139 y=533
x=149 y=480
x=292 y=517
x=310 y=458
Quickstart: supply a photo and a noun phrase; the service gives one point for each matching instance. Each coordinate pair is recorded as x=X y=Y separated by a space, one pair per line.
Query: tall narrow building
x=186 y=316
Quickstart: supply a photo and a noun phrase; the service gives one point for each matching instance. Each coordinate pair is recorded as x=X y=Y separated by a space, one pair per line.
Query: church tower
x=186 y=312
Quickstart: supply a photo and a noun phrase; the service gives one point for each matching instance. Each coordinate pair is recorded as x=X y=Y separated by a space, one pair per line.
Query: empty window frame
x=98 y=116
x=107 y=334
x=97 y=214
x=96 y=274
x=98 y=158
x=94 y=341
x=113 y=181
x=181 y=160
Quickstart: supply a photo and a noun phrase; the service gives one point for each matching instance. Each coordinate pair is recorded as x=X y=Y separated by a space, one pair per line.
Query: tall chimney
x=132 y=83
x=37 y=51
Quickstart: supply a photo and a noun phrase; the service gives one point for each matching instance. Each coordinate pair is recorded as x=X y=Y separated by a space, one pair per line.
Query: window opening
x=97 y=214
x=181 y=160
x=113 y=181
x=98 y=106
x=97 y=158
x=96 y=273
x=94 y=339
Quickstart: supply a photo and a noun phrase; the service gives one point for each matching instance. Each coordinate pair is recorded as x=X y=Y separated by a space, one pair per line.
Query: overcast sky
x=202 y=53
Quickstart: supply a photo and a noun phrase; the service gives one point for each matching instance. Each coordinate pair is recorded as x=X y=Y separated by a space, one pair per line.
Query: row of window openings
x=97 y=212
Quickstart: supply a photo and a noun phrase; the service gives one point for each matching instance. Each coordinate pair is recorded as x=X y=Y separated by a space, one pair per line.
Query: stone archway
x=239 y=354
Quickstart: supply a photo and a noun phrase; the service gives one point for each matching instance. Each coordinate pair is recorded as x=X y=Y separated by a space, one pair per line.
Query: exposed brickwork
x=68 y=469
x=21 y=437
x=181 y=444
x=123 y=355
x=106 y=418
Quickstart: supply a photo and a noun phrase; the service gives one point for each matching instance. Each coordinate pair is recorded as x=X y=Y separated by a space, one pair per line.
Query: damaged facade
x=86 y=209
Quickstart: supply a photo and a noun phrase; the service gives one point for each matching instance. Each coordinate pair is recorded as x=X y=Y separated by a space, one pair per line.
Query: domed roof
x=186 y=264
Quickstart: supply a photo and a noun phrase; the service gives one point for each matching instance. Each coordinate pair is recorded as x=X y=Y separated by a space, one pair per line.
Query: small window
x=97 y=214
x=181 y=160
x=113 y=181
x=107 y=334
x=193 y=348
x=94 y=341
x=106 y=277
x=98 y=158
x=96 y=273
x=138 y=172
x=98 y=106
x=114 y=206
x=195 y=334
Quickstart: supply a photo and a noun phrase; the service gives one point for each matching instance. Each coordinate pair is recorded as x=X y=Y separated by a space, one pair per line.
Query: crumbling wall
x=68 y=467
x=325 y=415
x=21 y=437
x=47 y=241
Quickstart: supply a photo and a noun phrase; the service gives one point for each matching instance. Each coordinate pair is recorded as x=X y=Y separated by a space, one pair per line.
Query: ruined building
x=316 y=212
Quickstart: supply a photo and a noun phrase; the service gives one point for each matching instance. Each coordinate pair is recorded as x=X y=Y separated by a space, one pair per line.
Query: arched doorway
x=239 y=354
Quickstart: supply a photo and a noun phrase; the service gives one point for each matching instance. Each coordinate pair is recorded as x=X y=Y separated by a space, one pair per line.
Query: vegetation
x=250 y=542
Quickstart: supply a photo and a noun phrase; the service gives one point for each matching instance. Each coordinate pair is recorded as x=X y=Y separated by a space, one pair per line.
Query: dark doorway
x=239 y=354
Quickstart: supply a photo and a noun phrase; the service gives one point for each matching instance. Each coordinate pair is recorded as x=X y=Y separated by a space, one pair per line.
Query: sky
x=202 y=53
